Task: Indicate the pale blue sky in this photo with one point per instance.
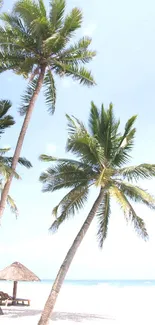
(124, 69)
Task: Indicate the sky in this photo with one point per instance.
(124, 70)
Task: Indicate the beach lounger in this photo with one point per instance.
(5, 299)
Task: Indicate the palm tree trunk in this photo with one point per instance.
(50, 303)
(21, 140)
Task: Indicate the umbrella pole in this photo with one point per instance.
(1, 311)
(14, 291)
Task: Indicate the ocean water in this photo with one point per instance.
(115, 283)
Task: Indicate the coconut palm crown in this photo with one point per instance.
(38, 46)
(6, 121)
(34, 42)
(103, 153)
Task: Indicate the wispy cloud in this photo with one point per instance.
(50, 148)
(90, 29)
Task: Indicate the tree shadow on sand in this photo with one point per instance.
(76, 317)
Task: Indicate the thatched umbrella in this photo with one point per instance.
(17, 272)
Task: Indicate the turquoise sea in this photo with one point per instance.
(116, 283)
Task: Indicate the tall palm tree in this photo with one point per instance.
(102, 153)
(38, 46)
(6, 121)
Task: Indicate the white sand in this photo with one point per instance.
(94, 305)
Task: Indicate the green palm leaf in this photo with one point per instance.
(129, 131)
(65, 176)
(50, 91)
(129, 212)
(77, 73)
(78, 53)
(57, 13)
(72, 22)
(27, 10)
(137, 194)
(94, 120)
(134, 173)
(103, 215)
(71, 162)
(26, 98)
(12, 205)
(69, 205)
(138, 222)
(10, 202)
(5, 120)
(42, 8)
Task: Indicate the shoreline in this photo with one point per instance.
(83, 305)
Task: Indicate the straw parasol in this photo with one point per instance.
(17, 272)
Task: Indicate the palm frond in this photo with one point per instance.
(73, 125)
(77, 58)
(122, 155)
(42, 8)
(10, 202)
(138, 223)
(104, 127)
(5, 168)
(24, 162)
(120, 199)
(78, 53)
(6, 65)
(47, 158)
(65, 176)
(40, 29)
(27, 10)
(3, 151)
(15, 35)
(129, 212)
(137, 194)
(128, 130)
(77, 73)
(135, 173)
(5, 105)
(86, 147)
(66, 161)
(94, 120)
(26, 98)
(77, 48)
(5, 120)
(72, 22)
(12, 205)
(103, 215)
(69, 205)
(57, 9)
(125, 143)
(50, 91)
(108, 130)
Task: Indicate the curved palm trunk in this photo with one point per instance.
(21, 140)
(50, 303)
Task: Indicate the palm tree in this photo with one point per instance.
(6, 121)
(102, 154)
(37, 46)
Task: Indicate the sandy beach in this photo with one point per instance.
(87, 305)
